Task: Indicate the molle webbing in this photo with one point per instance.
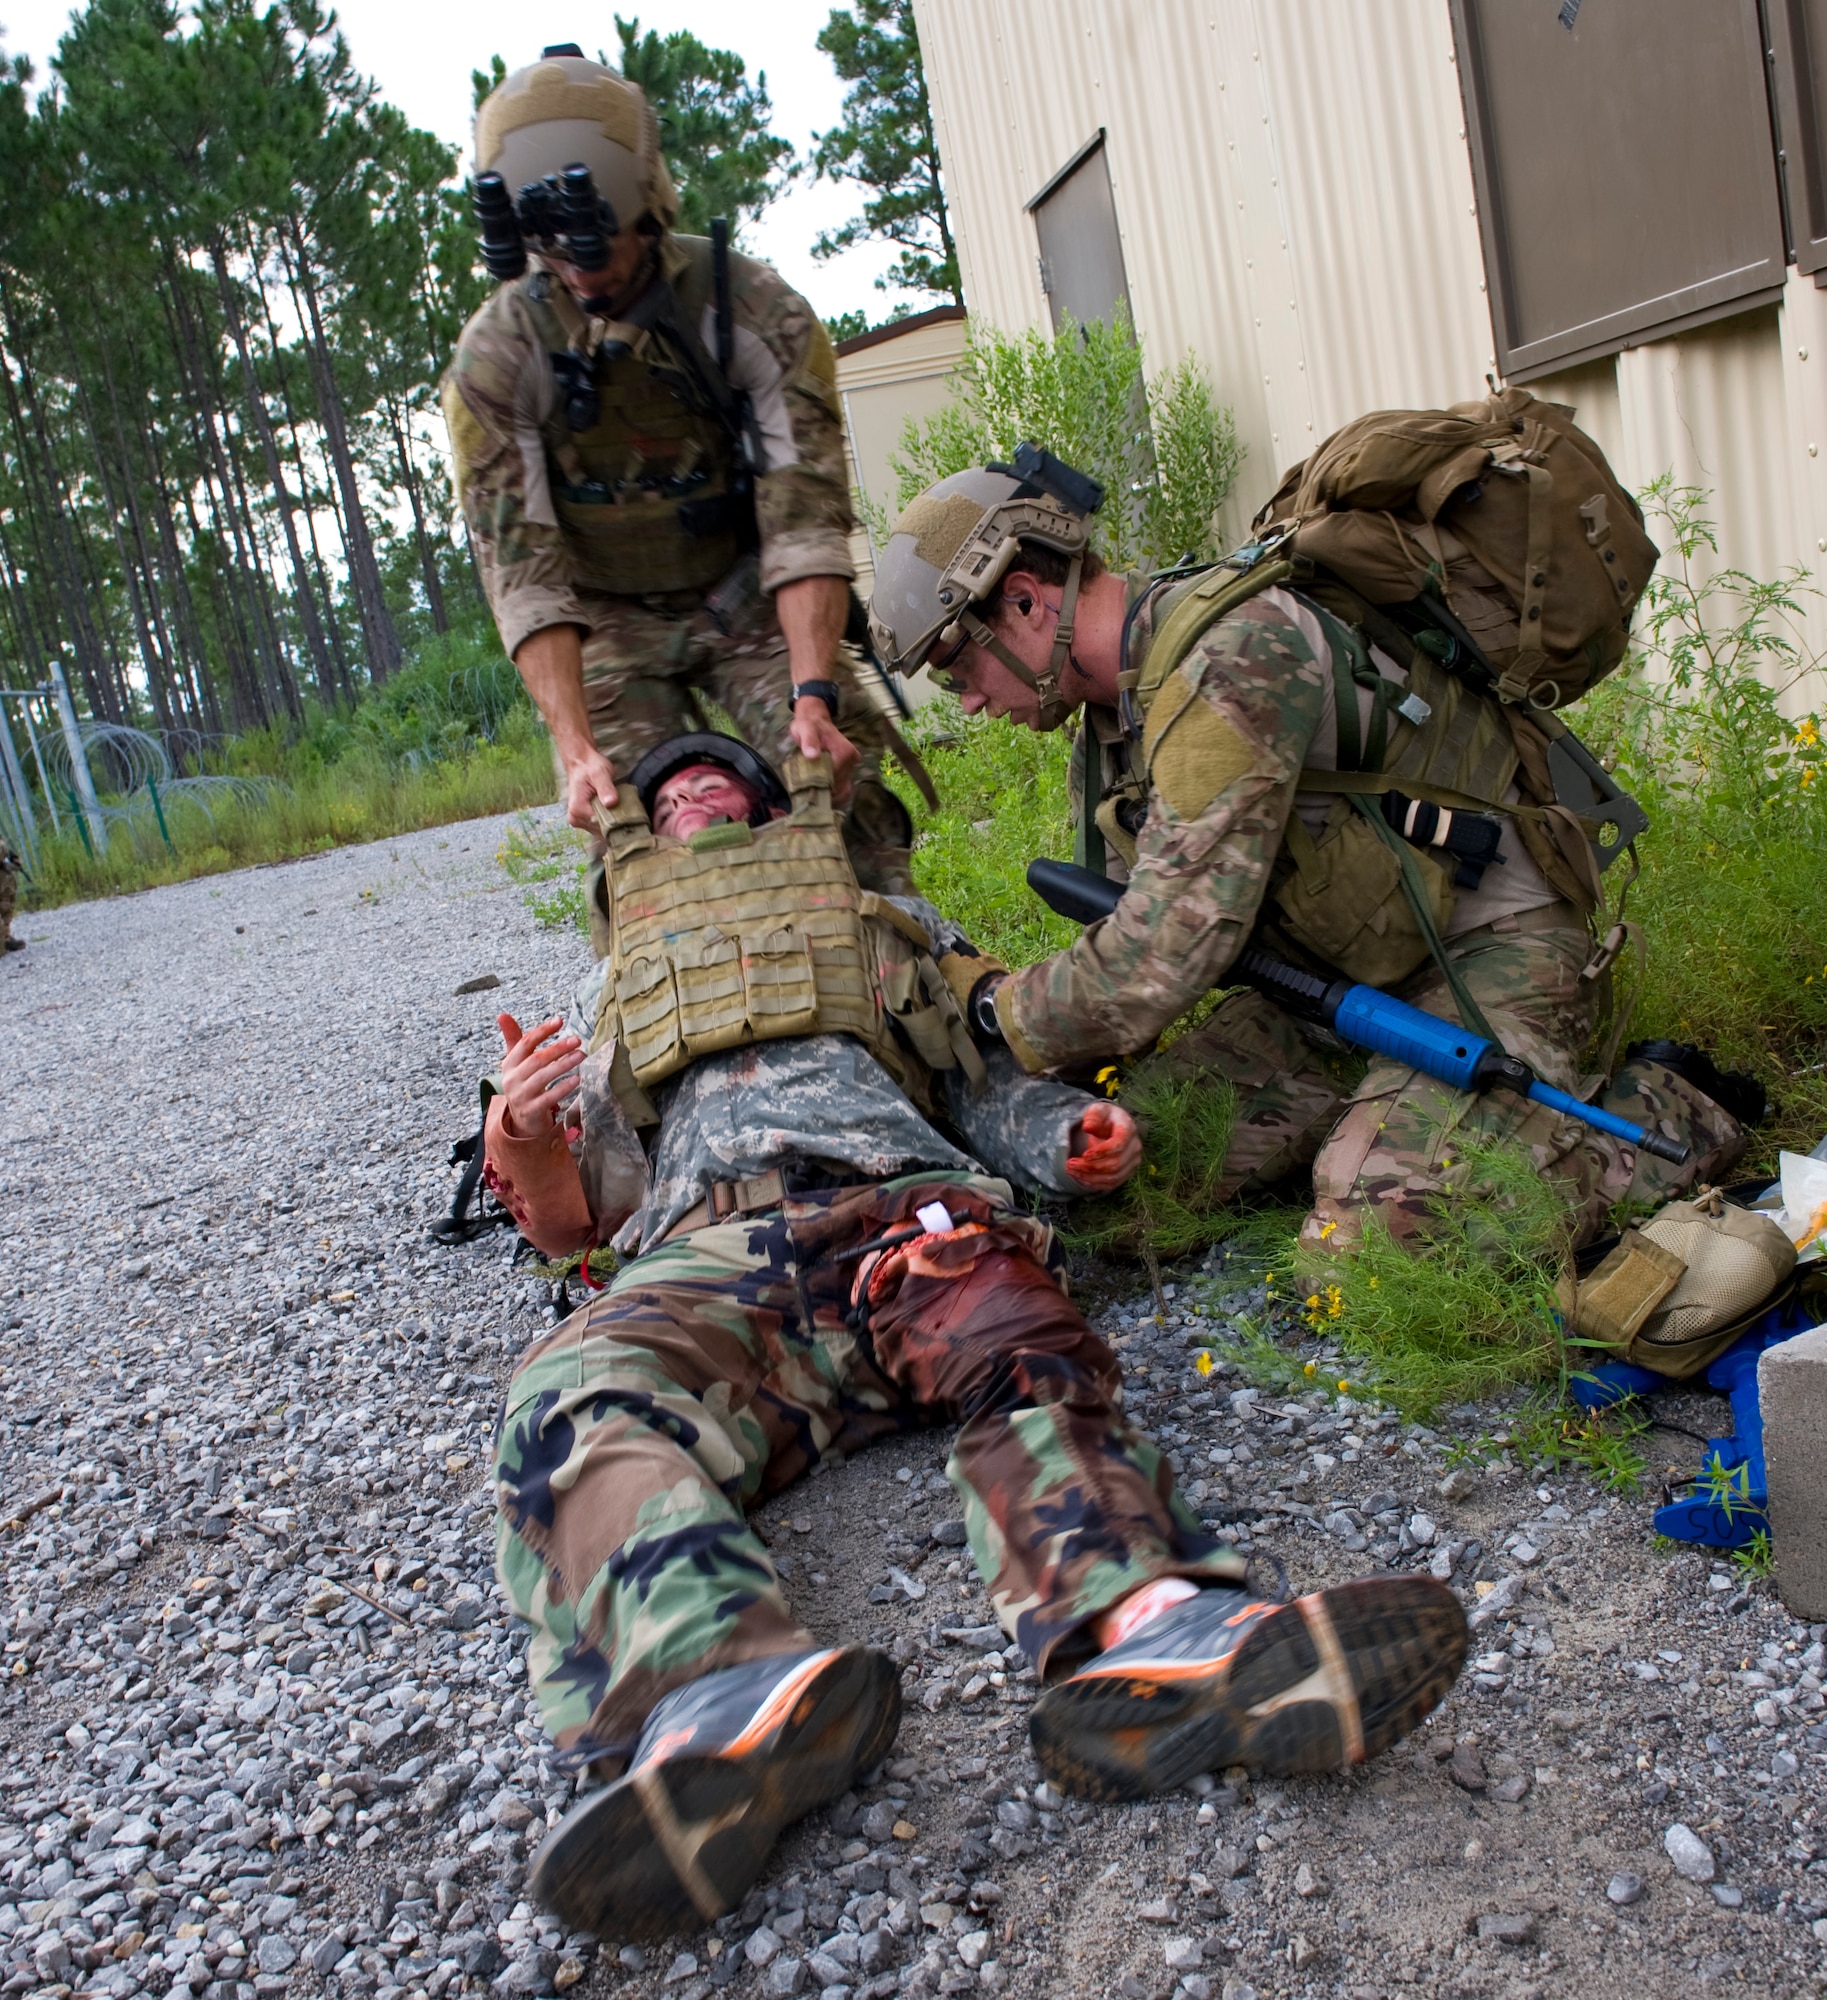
(646, 494)
(741, 935)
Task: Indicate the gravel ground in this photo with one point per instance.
(265, 1725)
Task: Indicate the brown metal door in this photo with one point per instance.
(1081, 252)
(1798, 54)
(1625, 169)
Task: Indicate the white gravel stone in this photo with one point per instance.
(1690, 1854)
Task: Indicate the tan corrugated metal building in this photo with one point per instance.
(1303, 194)
(886, 378)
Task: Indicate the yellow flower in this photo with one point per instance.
(1311, 1369)
(1374, 1283)
(1326, 1230)
(1313, 1301)
(1344, 1387)
(1806, 731)
(1204, 1362)
(1109, 1079)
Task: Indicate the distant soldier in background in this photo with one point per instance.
(649, 454)
(10, 870)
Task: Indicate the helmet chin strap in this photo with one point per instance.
(1054, 707)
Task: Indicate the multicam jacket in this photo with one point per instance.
(503, 404)
(1255, 703)
(813, 1103)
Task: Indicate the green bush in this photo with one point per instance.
(1733, 896)
(1167, 454)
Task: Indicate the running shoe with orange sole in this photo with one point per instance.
(1224, 1679)
(723, 1766)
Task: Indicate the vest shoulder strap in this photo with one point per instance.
(1194, 610)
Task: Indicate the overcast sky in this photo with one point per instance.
(422, 57)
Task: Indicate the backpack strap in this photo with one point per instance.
(1528, 670)
(1194, 612)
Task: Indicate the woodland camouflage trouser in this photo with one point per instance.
(719, 1368)
(1391, 1144)
(645, 656)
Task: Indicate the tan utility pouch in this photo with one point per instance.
(1678, 1290)
(1345, 903)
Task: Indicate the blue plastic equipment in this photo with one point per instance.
(1365, 1017)
(1728, 1499)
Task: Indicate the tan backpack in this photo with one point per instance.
(1503, 510)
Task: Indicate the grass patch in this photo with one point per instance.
(1003, 801)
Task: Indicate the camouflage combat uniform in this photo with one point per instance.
(9, 896)
(645, 655)
(726, 1361)
(1195, 893)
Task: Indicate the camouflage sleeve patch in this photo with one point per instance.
(1020, 1127)
(1247, 701)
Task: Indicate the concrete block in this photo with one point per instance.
(1792, 1396)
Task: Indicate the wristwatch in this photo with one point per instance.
(825, 691)
(982, 1009)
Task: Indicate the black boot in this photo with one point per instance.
(1733, 1090)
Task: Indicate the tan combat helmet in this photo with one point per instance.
(565, 110)
(950, 550)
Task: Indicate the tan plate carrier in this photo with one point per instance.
(747, 934)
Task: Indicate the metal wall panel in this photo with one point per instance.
(1294, 193)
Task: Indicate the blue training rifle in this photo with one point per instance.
(1364, 1017)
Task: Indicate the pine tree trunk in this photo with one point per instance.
(382, 640)
(302, 592)
(428, 568)
(343, 682)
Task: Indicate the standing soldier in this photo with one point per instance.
(649, 455)
(9, 894)
(1338, 742)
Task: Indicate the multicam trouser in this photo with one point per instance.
(723, 1365)
(1390, 1146)
(645, 656)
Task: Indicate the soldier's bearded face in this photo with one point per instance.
(697, 797)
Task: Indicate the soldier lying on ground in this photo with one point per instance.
(820, 1265)
(1253, 732)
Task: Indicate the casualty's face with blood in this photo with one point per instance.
(700, 796)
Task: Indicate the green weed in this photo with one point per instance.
(550, 863)
(1165, 451)
(1732, 899)
(1756, 1558)
(1553, 1434)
